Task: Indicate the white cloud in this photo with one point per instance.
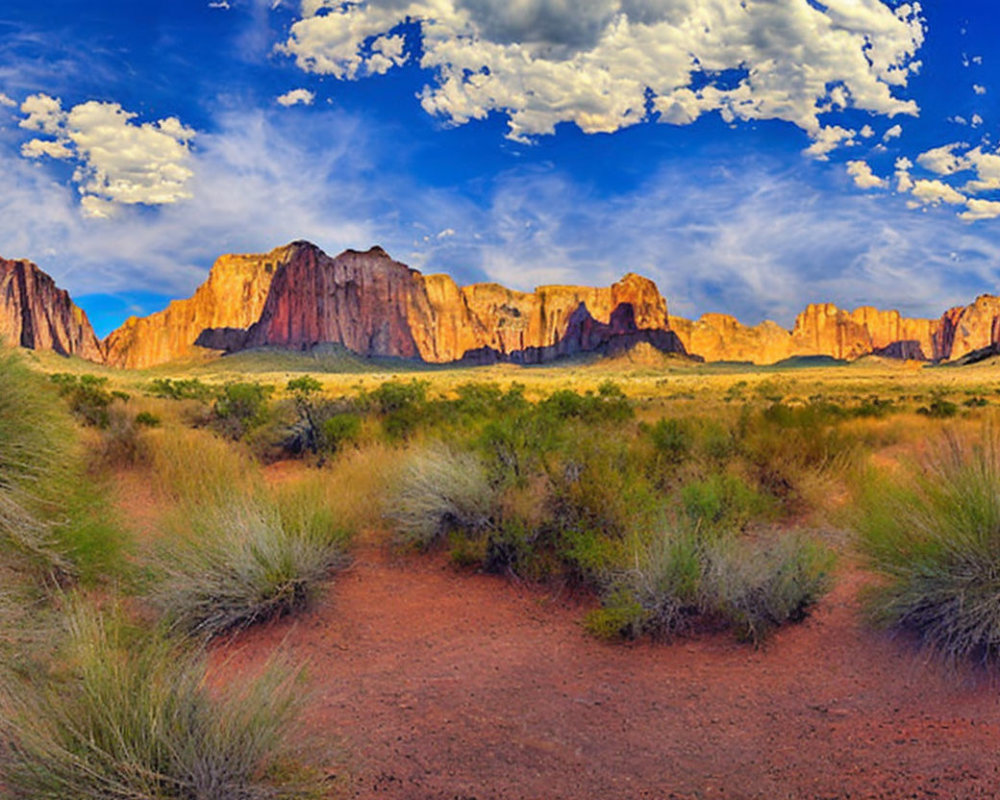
(828, 139)
(978, 89)
(596, 63)
(36, 148)
(6, 101)
(933, 192)
(296, 96)
(863, 176)
(892, 133)
(118, 161)
(904, 183)
(943, 160)
(976, 121)
(980, 209)
(867, 132)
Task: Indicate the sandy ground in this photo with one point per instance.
(455, 686)
(425, 682)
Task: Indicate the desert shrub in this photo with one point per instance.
(88, 397)
(147, 419)
(231, 564)
(672, 439)
(759, 586)
(513, 446)
(339, 430)
(680, 577)
(939, 408)
(181, 389)
(610, 404)
(723, 502)
(134, 719)
(934, 534)
(440, 489)
(121, 442)
(241, 407)
(658, 594)
(402, 406)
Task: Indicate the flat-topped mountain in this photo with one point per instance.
(35, 313)
(297, 296)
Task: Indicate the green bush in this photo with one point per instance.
(147, 419)
(672, 439)
(88, 397)
(441, 490)
(339, 430)
(133, 719)
(934, 535)
(231, 564)
(723, 502)
(182, 389)
(241, 407)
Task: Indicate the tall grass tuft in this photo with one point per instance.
(440, 490)
(934, 534)
(133, 720)
(229, 564)
(683, 577)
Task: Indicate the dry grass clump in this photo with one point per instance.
(229, 564)
(193, 465)
(440, 490)
(934, 534)
(132, 719)
(683, 577)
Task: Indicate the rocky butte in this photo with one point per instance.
(35, 313)
(297, 296)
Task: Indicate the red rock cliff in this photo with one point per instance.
(35, 313)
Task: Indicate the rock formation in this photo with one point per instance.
(35, 313)
(232, 297)
(821, 329)
(376, 306)
(297, 296)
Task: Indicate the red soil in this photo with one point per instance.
(445, 685)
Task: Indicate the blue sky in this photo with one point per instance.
(751, 157)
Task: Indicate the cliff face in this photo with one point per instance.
(821, 329)
(378, 307)
(35, 313)
(297, 296)
(232, 297)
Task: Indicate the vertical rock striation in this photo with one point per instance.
(35, 313)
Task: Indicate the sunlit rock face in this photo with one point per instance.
(35, 313)
(376, 306)
(966, 329)
(297, 296)
(821, 329)
(232, 297)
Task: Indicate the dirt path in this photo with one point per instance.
(450, 686)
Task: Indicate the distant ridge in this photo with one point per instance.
(298, 297)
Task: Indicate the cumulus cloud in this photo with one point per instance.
(7, 101)
(118, 161)
(943, 160)
(867, 132)
(978, 89)
(892, 133)
(295, 97)
(603, 64)
(977, 208)
(933, 192)
(828, 139)
(863, 176)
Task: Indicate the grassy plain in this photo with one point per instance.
(676, 499)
